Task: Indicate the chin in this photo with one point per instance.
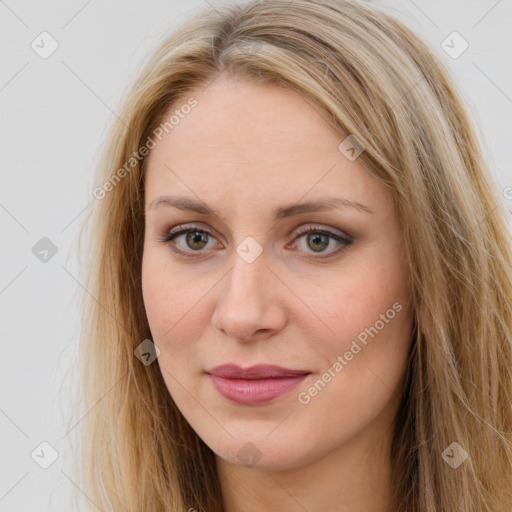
(260, 453)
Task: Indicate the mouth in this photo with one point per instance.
(254, 385)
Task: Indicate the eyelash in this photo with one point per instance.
(183, 229)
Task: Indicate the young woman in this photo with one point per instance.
(299, 291)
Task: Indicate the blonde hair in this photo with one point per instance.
(379, 82)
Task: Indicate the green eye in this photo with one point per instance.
(196, 240)
(318, 240)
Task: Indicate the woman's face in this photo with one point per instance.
(300, 266)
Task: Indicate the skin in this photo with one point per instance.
(244, 150)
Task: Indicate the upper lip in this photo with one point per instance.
(259, 371)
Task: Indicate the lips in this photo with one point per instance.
(254, 385)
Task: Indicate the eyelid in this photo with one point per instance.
(188, 227)
(298, 231)
(328, 230)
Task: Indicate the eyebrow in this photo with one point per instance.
(327, 203)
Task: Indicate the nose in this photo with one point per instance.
(248, 306)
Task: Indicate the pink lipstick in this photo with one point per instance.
(254, 385)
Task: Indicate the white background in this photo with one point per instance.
(54, 115)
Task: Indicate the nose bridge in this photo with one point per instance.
(245, 304)
(247, 280)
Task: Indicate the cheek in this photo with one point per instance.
(362, 366)
(343, 305)
(366, 320)
(173, 304)
(174, 309)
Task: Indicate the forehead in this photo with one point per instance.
(244, 137)
(240, 119)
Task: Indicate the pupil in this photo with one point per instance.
(321, 239)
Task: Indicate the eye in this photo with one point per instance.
(319, 239)
(193, 240)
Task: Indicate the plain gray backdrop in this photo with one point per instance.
(55, 109)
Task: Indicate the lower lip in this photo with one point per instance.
(257, 391)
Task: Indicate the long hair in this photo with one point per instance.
(379, 82)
